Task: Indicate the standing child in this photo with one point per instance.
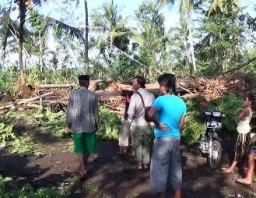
(243, 129)
(125, 133)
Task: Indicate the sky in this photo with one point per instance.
(126, 8)
(73, 14)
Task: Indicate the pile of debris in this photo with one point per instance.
(217, 87)
(55, 96)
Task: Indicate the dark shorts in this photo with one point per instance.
(241, 148)
(85, 143)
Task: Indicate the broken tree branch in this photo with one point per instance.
(34, 98)
(238, 67)
(55, 86)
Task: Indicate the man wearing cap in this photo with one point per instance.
(82, 119)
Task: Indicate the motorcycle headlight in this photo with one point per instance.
(216, 114)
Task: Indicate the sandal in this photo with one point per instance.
(241, 181)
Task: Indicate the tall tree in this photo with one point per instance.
(221, 35)
(221, 6)
(43, 24)
(24, 6)
(112, 34)
(186, 11)
(150, 36)
(22, 15)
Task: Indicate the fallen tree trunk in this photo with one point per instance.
(34, 98)
(55, 86)
(7, 106)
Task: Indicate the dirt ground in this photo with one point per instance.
(113, 177)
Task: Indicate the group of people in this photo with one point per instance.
(167, 115)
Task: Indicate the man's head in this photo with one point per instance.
(84, 80)
(167, 83)
(138, 82)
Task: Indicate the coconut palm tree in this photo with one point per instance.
(111, 30)
(219, 6)
(42, 24)
(150, 37)
(39, 22)
(186, 11)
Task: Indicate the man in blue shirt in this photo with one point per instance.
(168, 112)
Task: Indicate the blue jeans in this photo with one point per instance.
(166, 165)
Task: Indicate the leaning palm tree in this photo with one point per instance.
(42, 24)
(25, 7)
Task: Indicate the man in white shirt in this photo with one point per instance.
(140, 129)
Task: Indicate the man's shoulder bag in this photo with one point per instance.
(147, 118)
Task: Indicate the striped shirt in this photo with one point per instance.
(82, 111)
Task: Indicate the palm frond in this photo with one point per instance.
(72, 31)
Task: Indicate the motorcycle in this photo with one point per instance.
(210, 144)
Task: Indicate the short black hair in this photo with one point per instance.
(169, 82)
(84, 77)
(84, 80)
(141, 80)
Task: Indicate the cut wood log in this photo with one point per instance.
(22, 101)
(55, 86)
(7, 106)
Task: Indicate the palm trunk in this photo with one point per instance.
(22, 14)
(191, 46)
(41, 48)
(86, 43)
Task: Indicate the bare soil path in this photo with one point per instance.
(112, 177)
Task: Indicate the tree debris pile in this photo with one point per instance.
(56, 96)
(217, 87)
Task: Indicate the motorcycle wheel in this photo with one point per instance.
(214, 158)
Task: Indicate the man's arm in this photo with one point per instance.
(115, 86)
(68, 115)
(182, 123)
(96, 113)
(131, 109)
(243, 114)
(152, 115)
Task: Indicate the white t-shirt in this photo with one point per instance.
(243, 126)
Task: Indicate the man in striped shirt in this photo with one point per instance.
(83, 120)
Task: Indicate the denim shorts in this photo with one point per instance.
(166, 168)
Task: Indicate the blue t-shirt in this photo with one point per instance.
(170, 110)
